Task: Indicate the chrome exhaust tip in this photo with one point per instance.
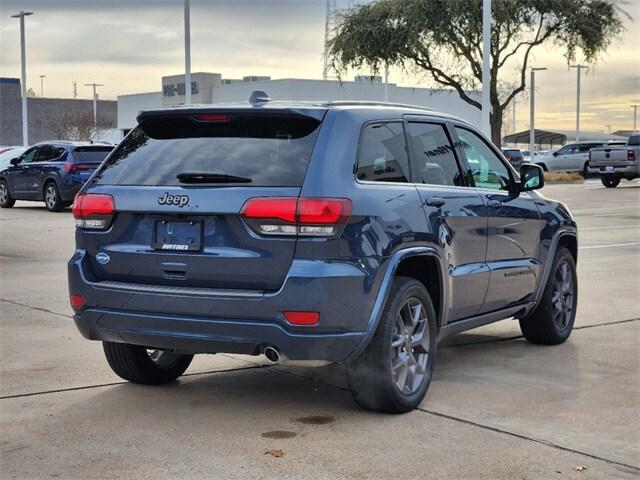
(272, 354)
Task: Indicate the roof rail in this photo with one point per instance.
(365, 103)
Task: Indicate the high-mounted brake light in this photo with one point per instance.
(212, 117)
(93, 210)
(297, 216)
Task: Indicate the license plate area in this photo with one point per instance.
(185, 236)
(609, 169)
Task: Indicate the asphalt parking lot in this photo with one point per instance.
(498, 407)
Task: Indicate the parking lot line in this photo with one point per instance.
(610, 245)
(617, 227)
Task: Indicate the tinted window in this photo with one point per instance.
(634, 140)
(91, 154)
(48, 153)
(487, 169)
(588, 146)
(268, 149)
(29, 156)
(383, 154)
(435, 161)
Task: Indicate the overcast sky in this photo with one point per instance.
(129, 45)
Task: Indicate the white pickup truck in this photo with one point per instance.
(615, 163)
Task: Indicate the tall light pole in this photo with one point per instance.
(609, 127)
(578, 68)
(532, 118)
(486, 67)
(635, 111)
(23, 77)
(187, 53)
(95, 99)
(386, 82)
(42, 77)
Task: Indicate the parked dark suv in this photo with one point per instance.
(336, 232)
(52, 172)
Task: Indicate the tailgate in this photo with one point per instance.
(179, 182)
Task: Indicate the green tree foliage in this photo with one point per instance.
(443, 39)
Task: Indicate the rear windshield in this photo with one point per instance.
(252, 150)
(91, 154)
(634, 140)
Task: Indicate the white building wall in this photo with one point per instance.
(130, 105)
(446, 101)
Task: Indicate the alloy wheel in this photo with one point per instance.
(51, 196)
(410, 346)
(562, 299)
(4, 193)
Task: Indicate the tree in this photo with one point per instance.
(78, 125)
(443, 39)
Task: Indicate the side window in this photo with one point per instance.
(487, 169)
(29, 156)
(382, 156)
(59, 154)
(435, 162)
(45, 154)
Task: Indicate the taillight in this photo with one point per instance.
(319, 217)
(78, 167)
(631, 155)
(93, 210)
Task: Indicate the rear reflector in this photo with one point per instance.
(77, 301)
(296, 216)
(302, 318)
(93, 211)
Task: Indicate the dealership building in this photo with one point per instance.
(41, 113)
(212, 88)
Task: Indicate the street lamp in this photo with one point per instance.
(486, 67)
(95, 99)
(187, 54)
(42, 77)
(578, 69)
(635, 111)
(23, 78)
(532, 129)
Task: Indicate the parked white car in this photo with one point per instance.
(573, 157)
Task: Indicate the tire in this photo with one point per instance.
(610, 181)
(552, 321)
(585, 171)
(52, 199)
(5, 197)
(139, 365)
(374, 383)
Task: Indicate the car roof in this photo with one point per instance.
(312, 109)
(69, 143)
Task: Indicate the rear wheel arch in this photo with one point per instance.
(426, 269)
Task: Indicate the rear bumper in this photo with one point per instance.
(623, 170)
(212, 321)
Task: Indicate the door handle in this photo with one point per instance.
(435, 202)
(494, 203)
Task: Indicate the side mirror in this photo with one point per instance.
(14, 161)
(555, 154)
(531, 177)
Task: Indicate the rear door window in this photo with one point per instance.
(254, 149)
(435, 161)
(382, 155)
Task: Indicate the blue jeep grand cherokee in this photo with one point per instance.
(336, 232)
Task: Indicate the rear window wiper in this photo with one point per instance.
(210, 177)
